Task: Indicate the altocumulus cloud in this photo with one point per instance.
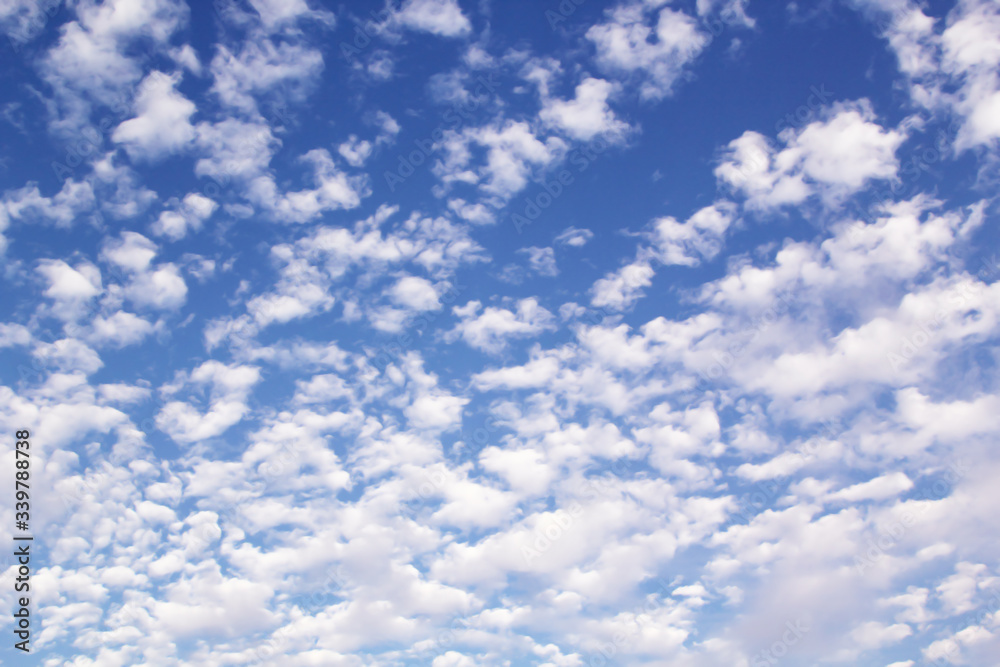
(452, 333)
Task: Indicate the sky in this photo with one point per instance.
(477, 332)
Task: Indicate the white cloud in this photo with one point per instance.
(260, 67)
(415, 293)
(787, 432)
(541, 260)
(71, 288)
(621, 289)
(355, 151)
(513, 150)
(132, 252)
(234, 149)
(953, 69)
(62, 209)
(147, 285)
(184, 216)
(587, 115)
(91, 61)
(229, 385)
(334, 190)
(162, 124)
(22, 20)
(627, 44)
(163, 288)
(490, 329)
(14, 334)
(701, 237)
(833, 157)
(120, 329)
(574, 237)
(275, 14)
(438, 17)
(69, 355)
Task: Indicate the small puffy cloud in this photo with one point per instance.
(163, 288)
(148, 285)
(184, 216)
(69, 355)
(67, 283)
(14, 334)
(879, 488)
(70, 288)
(277, 14)
(435, 410)
(832, 157)
(334, 190)
(234, 149)
(120, 329)
(132, 252)
(477, 214)
(415, 293)
(22, 20)
(388, 127)
(588, 114)
(626, 43)
(622, 288)
(490, 329)
(229, 387)
(262, 66)
(355, 151)
(574, 237)
(162, 124)
(701, 237)
(513, 151)
(541, 260)
(438, 17)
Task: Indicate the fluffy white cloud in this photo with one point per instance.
(490, 329)
(790, 436)
(626, 43)
(622, 288)
(439, 17)
(415, 293)
(334, 190)
(832, 157)
(93, 62)
(162, 124)
(587, 115)
(260, 67)
(229, 385)
(70, 288)
(541, 261)
(512, 151)
(184, 216)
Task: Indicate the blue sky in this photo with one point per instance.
(456, 333)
